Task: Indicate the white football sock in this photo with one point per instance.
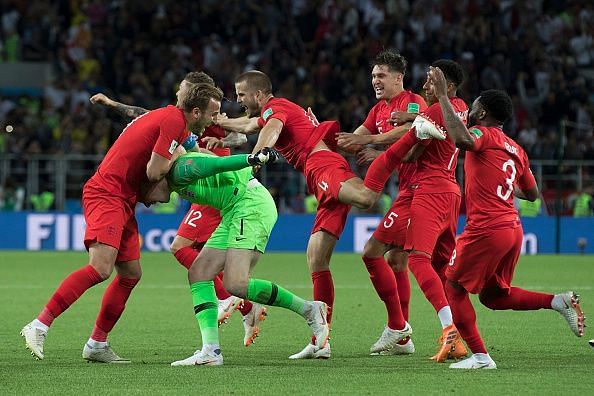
(445, 316)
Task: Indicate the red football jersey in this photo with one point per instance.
(124, 167)
(492, 170)
(218, 132)
(300, 133)
(377, 122)
(436, 167)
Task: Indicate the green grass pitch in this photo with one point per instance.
(535, 351)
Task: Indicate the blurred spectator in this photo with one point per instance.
(316, 52)
(12, 196)
(584, 203)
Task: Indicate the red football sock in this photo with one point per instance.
(429, 282)
(518, 300)
(71, 288)
(403, 286)
(112, 306)
(222, 293)
(323, 289)
(380, 170)
(186, 256)
(465, 318)
(384, 282)
(246, 307)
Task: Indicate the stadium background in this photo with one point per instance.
(55, 55)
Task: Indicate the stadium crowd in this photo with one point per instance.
(317, 53)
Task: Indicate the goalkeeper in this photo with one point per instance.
(248, 215)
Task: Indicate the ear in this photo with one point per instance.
(196, 113)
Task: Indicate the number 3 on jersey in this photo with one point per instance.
(509, 182)
(192, 216)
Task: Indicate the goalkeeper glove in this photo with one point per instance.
(263, 157)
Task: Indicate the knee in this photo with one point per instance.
(177, 244)
(368, 199)
(488, 298)
(235, 286)
(398, 261)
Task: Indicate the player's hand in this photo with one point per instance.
(100, 99)
(438, 80)
(351, 142)
(219, 117)
(401, 117)
(212, 142)
(367, 155)
(265, 156)
(312, 116)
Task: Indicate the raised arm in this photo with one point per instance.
(269, 134)
(123, 109)
(457, 131)
(245, 125)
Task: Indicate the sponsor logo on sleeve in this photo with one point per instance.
(173, 146)
(267, 114)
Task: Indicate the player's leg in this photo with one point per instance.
(194, 230)
(354, 192)
(384, 282)
(398, 261)
(115, 297)
(498, 293)
(465, 320)
(105, 217)
(209, 263)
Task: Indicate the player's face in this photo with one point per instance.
(247, 99)
(477, 113)
(206, 117)
(386, 83)
(152, 193)
(429, 91)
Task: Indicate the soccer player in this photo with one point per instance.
(387, 78)
(201, 220)
(308, 146)
(496, 169)
(431, 233)
(248, 216)
(144, 152)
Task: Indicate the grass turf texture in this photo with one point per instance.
(535, 351)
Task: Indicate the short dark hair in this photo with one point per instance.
(199, 77)
(394, 61)
(452, 71)
(497, 104)
(199, 95)
(256, 80)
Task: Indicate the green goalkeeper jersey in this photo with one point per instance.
(218, 182)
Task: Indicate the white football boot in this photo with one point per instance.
(34, 340)
(199, 358)
(427, 129)
(310, 352)
(476, 361)
(389, 339)
(226, 308)
(102, 355)
(568, 305)
(407, 348)
(251, 323)
(316, 317)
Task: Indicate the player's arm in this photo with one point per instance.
(192, 168)
(528, 195)
(526, 187)
(121, 108)
(158, 166)
(392, 135)
(354, 142)
(245, 125)
(269, 134)
(457, 131)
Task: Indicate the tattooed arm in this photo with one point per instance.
(123, 109)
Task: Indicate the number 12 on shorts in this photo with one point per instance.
(192, 216)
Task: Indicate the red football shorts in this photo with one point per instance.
(392, 229)
(432, 227)
(110, 221)
(324, 172)
(199, 223)
(486, 258)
